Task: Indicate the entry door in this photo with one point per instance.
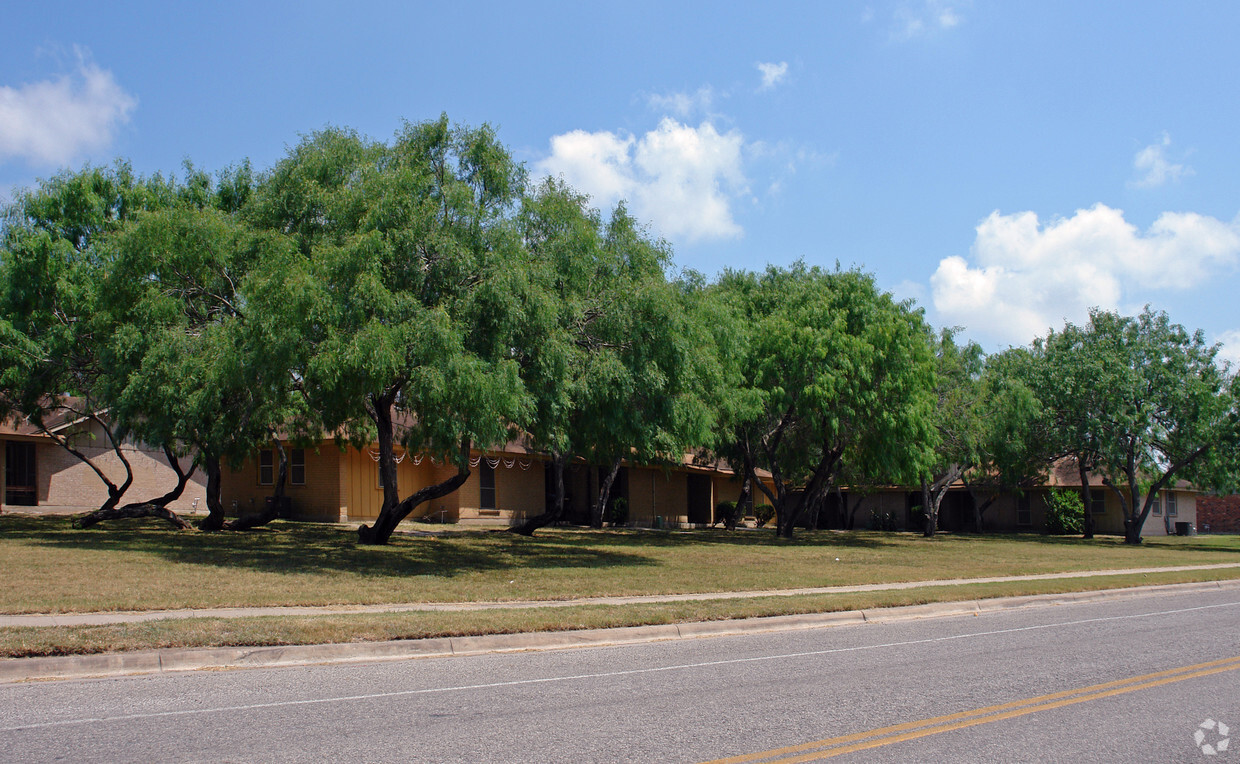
(20, 484)
(699, 499)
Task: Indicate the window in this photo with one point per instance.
(266, 467)
(1097, 503)
(1172, 509)
(297, 466)
(486, 485)
(1156, 505)
(1024, 513)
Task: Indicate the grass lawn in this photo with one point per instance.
(50, 567)
(307, 630)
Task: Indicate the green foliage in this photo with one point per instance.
(1065, 514)
(763, 513)
(728, 513)
(1141, 400)
(618, 511)
(882, 520)
(827, 370)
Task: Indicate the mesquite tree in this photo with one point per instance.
(832, 370)
(54, 332)
(409, 283)
(1149, 402)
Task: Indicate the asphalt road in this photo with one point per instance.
(1128, 680)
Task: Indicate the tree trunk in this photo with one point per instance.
(604, 493)
(850, 521)
(129, 512)
(1088, 521)
(531, 524)
(786, 516)
(154, 508)
(115, 492)
(271, 509)
(932, 497)
(980, 507)
(214, 520)
(389, 518)
(929, 520)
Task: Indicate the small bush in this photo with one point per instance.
(882, 520)
(1065, 515)
(728, 513)
(763, 513)
(618, 512)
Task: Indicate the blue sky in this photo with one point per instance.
(1006, 164)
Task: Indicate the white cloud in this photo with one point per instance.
(917, 19)
(1230, 352)
(772, 74)
(684, 105)
(53, 121)
(1026, 277)
(682, 179)
(1154, 166)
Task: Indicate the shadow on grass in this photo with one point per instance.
(307, 547)
(1176, 543)
(288, 547)
(750, 537)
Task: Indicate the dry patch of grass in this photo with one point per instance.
(50, 567)
(267, 631)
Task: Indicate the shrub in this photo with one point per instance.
(882, 520)
(618, 512)
(1065, 515)
(728, 513)
(763, 513)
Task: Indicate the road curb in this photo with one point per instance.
(194, 659)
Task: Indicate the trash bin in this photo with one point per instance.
(1185, 529)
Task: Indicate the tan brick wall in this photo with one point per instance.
(519, 492)
(66, 484)
(318, 499)
(656, 493)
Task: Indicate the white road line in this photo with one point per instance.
(599, 675)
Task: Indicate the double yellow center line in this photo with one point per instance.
(860, 741)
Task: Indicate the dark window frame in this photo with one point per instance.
(488, 497)
(266, 466)
(296, 463)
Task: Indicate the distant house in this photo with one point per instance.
(899, 507)
(42, 476)
(337, 483)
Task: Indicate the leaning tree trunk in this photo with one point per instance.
(850, 520)
(787, 516)
(214, 520)
(531, 524)
(604, 493)
(131, 512)
(271, 509)
(930, 519)
(389, 517)
(157, 508)
(1088, 519)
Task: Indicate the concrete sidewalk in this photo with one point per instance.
(193, 659)
(105, 618)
